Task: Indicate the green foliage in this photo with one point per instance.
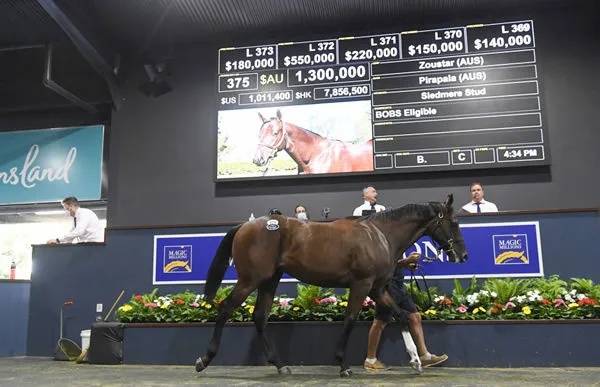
(459, 293)
(222, 293)
(582, 285)
(507, 299)
(552, 287)
(506, 288)
(420, 297)
(309, 294)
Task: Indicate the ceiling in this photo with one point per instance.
(136, 24)
(116, 28)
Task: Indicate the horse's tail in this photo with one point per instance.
(219, 264)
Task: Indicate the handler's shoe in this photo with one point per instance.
(376, 366)
(433, 360)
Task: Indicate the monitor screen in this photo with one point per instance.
(453, 98)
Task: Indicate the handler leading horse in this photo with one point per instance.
(359, 254)
(312, 152)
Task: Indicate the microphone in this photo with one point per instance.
(325, 212)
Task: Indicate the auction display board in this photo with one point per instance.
(461, 97)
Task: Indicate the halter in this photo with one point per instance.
(449, 245)
(278, 145)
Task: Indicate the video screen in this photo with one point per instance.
(295, 140)
(451, 98)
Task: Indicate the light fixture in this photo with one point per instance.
(156, 84)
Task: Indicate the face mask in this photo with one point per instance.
(302, 216)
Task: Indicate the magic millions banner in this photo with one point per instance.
(47, 165)
(508, 249)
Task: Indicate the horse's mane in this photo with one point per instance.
(304, 129)
(419, 211)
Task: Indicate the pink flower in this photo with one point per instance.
(194, 305)
(368, 302)
(559, 302)
(509, 305)
(150, 305)
(285, 302)
(462, 309)
(327, 300)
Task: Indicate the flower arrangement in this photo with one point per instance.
(495, 299)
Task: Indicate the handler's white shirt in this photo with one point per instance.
(367, 206)
(88, 228)
(484, 205)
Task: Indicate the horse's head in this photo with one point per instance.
(445, 231)
(271, 139)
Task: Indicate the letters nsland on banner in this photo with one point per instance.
(508, 249)
(47, 165)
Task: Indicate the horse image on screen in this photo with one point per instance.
(294, 140)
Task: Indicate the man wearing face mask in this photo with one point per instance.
(86, 226)
(300, 213)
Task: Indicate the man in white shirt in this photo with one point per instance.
(86, 226)
(478, 205)
(369, 195)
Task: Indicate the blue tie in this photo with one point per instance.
(478, 207)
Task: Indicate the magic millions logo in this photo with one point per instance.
(511, 249)
(177, 259)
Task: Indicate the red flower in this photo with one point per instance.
(545, 302)
(179, 301)
(587, 301)
(138, 297)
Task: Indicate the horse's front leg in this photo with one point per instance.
(358, 293)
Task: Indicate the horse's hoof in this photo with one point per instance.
(285, 370)
(346, 373)
(415, 365)
(200, 365)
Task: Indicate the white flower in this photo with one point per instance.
(568, 298)
(472, 299)
(494, 294)
(580, 296)
(484, 292)
(573, 292)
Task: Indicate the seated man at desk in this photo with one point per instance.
(478, 204)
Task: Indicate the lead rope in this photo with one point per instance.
(413, 279)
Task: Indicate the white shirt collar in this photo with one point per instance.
(481, 202)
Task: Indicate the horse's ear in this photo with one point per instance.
(449, 201)
(278, 114)
(262, 118)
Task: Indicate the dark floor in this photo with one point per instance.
(44, 372)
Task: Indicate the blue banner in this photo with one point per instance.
(47, 165)
(510, 249)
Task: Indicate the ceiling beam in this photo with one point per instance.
(83, 42)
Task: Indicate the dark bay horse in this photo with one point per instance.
(312, 152)
(359, 254)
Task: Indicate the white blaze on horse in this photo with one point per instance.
(312, 152)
